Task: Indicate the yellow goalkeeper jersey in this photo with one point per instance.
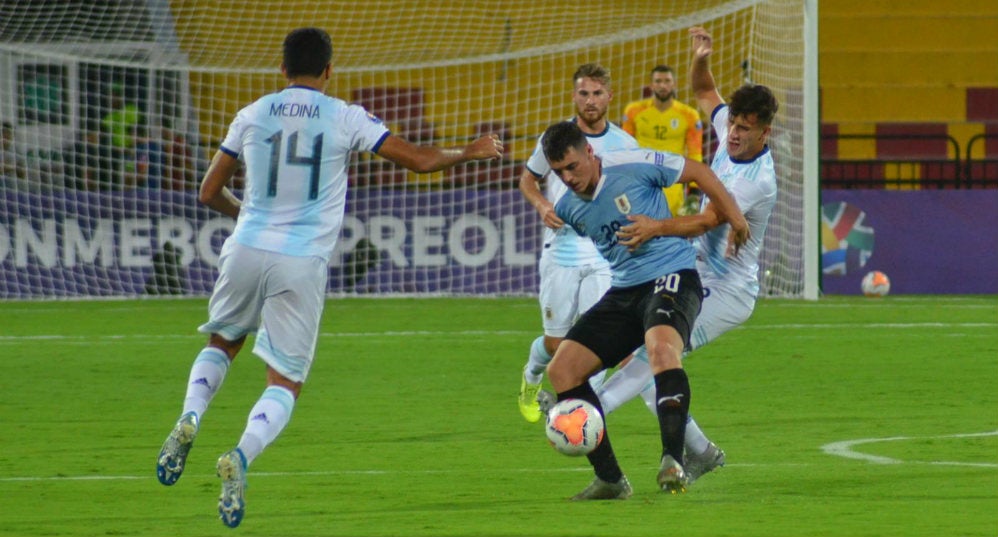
(676, 130)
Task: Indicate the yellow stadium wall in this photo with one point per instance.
(907, 62)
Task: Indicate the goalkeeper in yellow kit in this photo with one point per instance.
(662, 123)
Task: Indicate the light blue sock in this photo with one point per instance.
(537, 363)
(207, 374)
(267, 419)
(696, 442)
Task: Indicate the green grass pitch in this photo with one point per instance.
(841, 417)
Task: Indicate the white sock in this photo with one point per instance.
(696, 442)
(206, 378)
(596, 381)
(538, 361)
(626, 383)
(648, 394)
(266, 421)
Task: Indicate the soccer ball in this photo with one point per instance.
(876, 283)
(574, 427)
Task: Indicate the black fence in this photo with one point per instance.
(912, 161)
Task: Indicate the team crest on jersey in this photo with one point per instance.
(373, 118)
(674, 123)
(548, 314)
(623, 204)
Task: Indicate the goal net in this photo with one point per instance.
(112, 111)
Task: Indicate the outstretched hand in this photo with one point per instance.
(488, 147)
(702, 42)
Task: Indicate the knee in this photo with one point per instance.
(663, 355)
(274, 378)
(230, 348)
(551, 344)
(559, 375)
(568, 370)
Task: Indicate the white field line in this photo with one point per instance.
(845, 449)
(31, 479)
(891, 302)
(852, 326)
(480, 333)
(321, 473)
(937, 302)
(842, 449)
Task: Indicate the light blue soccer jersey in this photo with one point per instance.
(631, 183)
(296, 144)
(566, 247)
(752, 183)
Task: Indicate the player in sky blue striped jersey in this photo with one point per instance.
(273, 269)
(573, 275)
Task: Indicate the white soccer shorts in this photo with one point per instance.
(567, 292)
(721, 311)
(280, 297)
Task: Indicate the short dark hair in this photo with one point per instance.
(561, 136)
(754, 99)
(662, 69)
(307, 51)
(8, 126)
(594, 71)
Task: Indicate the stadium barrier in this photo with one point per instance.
(905, 162)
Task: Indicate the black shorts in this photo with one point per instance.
(615, 326)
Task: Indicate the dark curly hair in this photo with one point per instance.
(754, 99)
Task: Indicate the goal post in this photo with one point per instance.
(115, 112)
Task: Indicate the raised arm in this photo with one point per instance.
(701, 79)
(430, 158)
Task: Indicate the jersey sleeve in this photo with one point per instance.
(364, 130)
(719, 120)
(628, 125)
(694, 136)
(563, 208)
(537, 164)
(232, 144)
(668, 167)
